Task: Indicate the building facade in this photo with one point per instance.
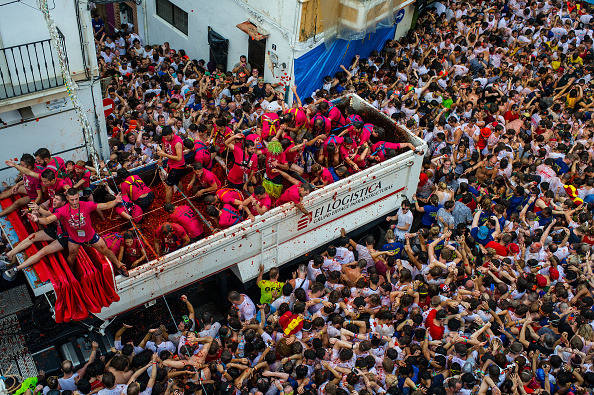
(36, 109)
(271, 33)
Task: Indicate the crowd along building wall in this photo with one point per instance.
(35, 107)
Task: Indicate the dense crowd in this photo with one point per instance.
(482, 283)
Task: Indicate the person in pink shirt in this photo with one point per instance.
(128, 210)
(295, 193)
(225, 196)
(329, 155)
(319, 123)
(203, 181)
(131, 252)
(259, 202)
(187, 218)
(170, 237)
(135, 188)
(245, 161)
(380, 150)
(53, 185)
(76, 219)
(228, 215)
(322, 176)
(270, 124)
(173, 150)
(331, 112)
(29, 186)
(292, 153)
(295, 121)
(46, 161)
(360, 132)
(202, 155)
(113, 240)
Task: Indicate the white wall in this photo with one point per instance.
(56, 128)
(205, 13)
(404, 25)
(22, 23)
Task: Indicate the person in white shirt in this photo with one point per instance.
(247, 308)
(403, 219)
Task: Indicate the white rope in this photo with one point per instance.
(69, 82)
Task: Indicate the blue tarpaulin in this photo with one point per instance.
(311, 68)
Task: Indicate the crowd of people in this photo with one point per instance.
(481, 284)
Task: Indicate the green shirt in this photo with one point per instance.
(266, 288)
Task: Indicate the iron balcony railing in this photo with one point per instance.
(29, 68)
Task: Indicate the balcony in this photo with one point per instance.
(30, 68)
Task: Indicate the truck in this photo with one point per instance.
(280, 235)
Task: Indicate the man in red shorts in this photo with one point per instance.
(76, 219)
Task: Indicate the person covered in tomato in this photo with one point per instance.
(245, 161)
(172, 150)
(329, 155)
(322, 176)
(331, 112)
(225, 196)
(295, 193)
(135, 188)
(131, 251)
(319, 124)
(203, 181)
(295, 119)
(170, 237)
(128, 210)
(220, 133)
(275, 160)
(228, 215)
(360, 132)
(258, 202)
(293, 151)
(187, 218)
(76, 219)
(384, 150)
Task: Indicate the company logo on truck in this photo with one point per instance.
(344, 203)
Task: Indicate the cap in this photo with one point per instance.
(513, 248)
(151, 69)
(444, 288)
(485, 132)
(541, 281)
(483, 232)
(554, 274)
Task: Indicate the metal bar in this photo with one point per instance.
(54, 65)
(31, 67)
(24, 70)
(34, 42)
(49, 81)
(16, 72)
(38, 66)
(4, 82)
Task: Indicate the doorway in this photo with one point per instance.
(257, 54)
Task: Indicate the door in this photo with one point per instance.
(219, 48)
(257, 54)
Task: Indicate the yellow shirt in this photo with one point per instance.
(266, 288)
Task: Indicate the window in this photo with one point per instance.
(173, 15)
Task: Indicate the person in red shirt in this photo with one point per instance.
(294, 193)
(187, 218)
(245, 161)
(380, 150)
(332, 112)
(225, 196)
(228, 215)
(318, 123)
(322, 176)
(46, 161)
(270, 124)
(131, 252)
(203, 181)
(29, 186)
(292, 153)
(135, 188)
(76, 219)
(173, 150)
(259, 202)
(329, 155)
(359, 132)
(275, 160)
(436, 324)
(170, 237)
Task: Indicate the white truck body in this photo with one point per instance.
(280, 235)
(275, 238)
